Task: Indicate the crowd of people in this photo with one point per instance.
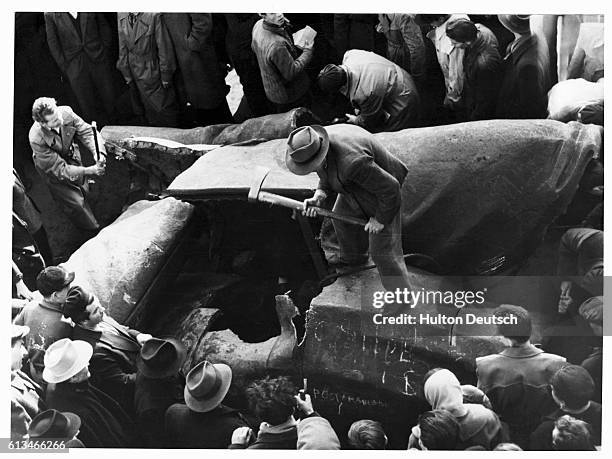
(79, 375)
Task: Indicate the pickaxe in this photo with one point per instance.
(256, 194)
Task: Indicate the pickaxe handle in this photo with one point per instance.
(283, 201)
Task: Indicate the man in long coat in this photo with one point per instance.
(147, 63)
(200, 79)
(56, 138)
(383, 94)
(80, 44)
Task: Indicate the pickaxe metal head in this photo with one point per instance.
(259, 176)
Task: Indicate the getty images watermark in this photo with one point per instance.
(454, 299)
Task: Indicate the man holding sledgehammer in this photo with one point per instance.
(368, 178)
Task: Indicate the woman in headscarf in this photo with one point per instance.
(477, 425)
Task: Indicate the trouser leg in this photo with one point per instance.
(352, 239)
(71, 199)
(386, 251)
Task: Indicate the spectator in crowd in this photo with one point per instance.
(477, 425)
(281, 63)
(526, 80)
(481, 66)
(116, 347)
(383, 94)
(27, 397)
(104, 422)
(588, 57)
(353, 163)
(435, 430)
(159, 384)
(405, 46)
(44, 318)
(27, 211)
(242, 57)
(56, 426)
(571, 434)
(55, 139)
(572, 389)
(201, 84)
(272, 401)
(516, 379)
(367, 434)
(80, 44)
(358, 31)
(581, 267)
(147, 63)
(450, 58)
(313, 431)
(507, 447)
(203, 421)
(592, 312)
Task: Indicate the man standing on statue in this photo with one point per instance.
(55, 138)
(367, 177)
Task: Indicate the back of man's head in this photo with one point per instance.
(570, 434)
(331, 78)
(367, 434)
(518, 326)
(573, 386)
(461, 30)
(53, 279)
(271, 399)
(439, 430)
(76, 303)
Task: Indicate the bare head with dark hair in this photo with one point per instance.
(572, 387)
(571, 434)
(367, 434)
(518, 332)
(42, 107)
(462, 32)
(271, 399)
(439, 430)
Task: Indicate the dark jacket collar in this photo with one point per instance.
(522, 45)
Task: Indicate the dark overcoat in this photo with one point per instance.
(191, 35)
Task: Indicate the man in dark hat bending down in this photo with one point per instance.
(368, 179)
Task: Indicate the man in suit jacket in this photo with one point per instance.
(116, 347)
(56, 138)
(80, 44)
(517, 379)
(368, 179)
(44, 318)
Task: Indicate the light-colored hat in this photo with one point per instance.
(306, 149)
(19, 331)
(206, 386)
(65, 358)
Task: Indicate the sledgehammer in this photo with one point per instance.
(256, 194)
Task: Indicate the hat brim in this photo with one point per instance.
(210, 403)
(74, 424)
(22, 331)
(315, 162)
(84, 350)
(171, 370)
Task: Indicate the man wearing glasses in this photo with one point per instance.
(55, 138)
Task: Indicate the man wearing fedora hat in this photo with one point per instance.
(203, 422)
(26, 396)
(116, 347)
(105, 423)
(368, 178)
(52, 424)
(159, 384)
(44, 318)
